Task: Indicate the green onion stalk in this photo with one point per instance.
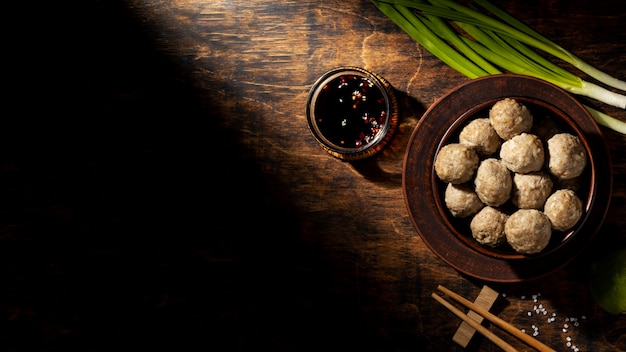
(476, 44)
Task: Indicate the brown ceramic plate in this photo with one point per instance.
(449, 237)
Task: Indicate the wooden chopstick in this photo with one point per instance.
(492, 318)
(474, 324)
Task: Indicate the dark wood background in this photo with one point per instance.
(160, 189)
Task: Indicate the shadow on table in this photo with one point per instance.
(134, 216)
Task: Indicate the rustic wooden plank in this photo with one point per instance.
(173, 195)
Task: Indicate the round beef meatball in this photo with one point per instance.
(480, 135)
(461, 200)
(564, 209)
(523, 153)
(510, 118)
(531, 190)
(566, 156)
(528, 231)
(456, 163)
(493, 182)
(488, 227)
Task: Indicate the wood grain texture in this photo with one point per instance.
(161, 189)
(486, 298)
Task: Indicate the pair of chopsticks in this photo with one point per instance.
(492, 318)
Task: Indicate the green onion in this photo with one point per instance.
(606, 120)
(476, 45)
(569, 57)
(413, 25)
(526, 35)
(504, 55)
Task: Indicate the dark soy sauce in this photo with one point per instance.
(351, 111)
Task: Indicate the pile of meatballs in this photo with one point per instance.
(516, 180)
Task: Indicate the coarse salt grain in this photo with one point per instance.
(567, 325)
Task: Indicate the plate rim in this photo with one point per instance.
(424, 142)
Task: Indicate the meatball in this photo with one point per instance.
(530, 191)
(480, 135)
(488, 227)
(523, 153)
(566, 156)
(461, 200)
(510, 118)
(456, 163)
(493, 182)
(528, 231)
(564, 209)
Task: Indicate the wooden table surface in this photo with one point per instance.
(161, 189)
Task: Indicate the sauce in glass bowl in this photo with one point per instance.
(352, 112)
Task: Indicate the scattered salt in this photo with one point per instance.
(539, 309)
